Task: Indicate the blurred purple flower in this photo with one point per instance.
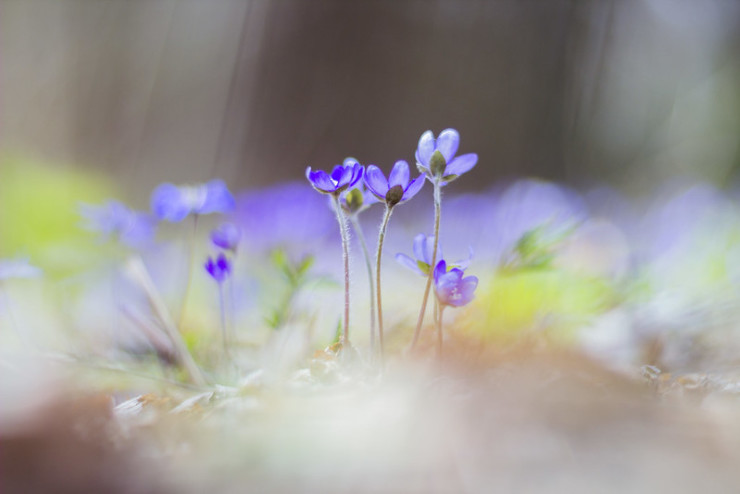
(450, 286)
(17, 269)
(397, 188)
(342, 177)
(220, 269)
(173, 203)
(226, 236)
(132, 228)
(285, 215)
(423, 247)
(437, 156)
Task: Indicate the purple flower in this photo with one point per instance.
(173, 203)
(423, 250)
(450, 286)
(220, 269)
(397, 188)
(114, 218)
(342, 177)
(436, 157)
(226, 236)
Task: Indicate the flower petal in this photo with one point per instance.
(375, 182)
(425, 148)
(337, 173)
(218, 198)
(461, 164)
(447, 143)
(399, 174)
(168, 203)
(429, 250)
(439, 271)
(320, 180)
(411, 264)
(419, 247)
(357, 172)
(413, 188)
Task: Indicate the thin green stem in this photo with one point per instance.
(430, 276)
(222, 309)
(189, 280)
(438, 311)
(379, 253)
(345, 257)
(370, 278)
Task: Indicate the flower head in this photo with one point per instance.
(342, 177)
(397, 188)
(226, 236)
(114, 218)
(450, 286)
(175, 203)
(220, 269)
(357, 199)
(436, 157)
(423, 250)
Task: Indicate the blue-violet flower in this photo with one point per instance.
(226, 236)
(450, 286)
(436, 157)
(342, 177)
(397, 188)
(173, 203)
(220, 269)
(423, 247)
(132, 228)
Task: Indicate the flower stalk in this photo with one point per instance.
(345, 258)
(370, 278)
(430, 275)
(379, 254)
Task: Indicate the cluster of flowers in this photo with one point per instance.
(437, 162)
(352, 189)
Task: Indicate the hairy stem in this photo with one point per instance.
(378, 255)
(345, 256)
(189, 279)
(371, 280)
(430, 276)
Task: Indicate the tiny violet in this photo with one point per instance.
(397, 188)
(18, 269)
(450, 286)
(226, 236)
(220, 269)
(175, 203)
(342, 177)
(436, 157)
(423, 247)
(113, 218)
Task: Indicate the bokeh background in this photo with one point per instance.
(625, 92)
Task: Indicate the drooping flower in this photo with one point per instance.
(226, 236)
(175, 203)
(436, 157)
(342, 177)
(18, 269)
(423, 247)
(450, 286)
(397, 187)
(220, 269)
(113, 218)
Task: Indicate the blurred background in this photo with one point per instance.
(624, 92)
